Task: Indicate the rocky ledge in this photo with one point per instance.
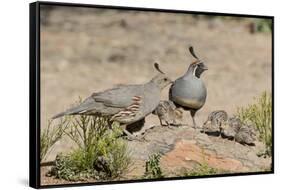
(185, 147)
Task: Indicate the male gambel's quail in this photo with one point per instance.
(168, 112)
(125, 104)
(189, 91)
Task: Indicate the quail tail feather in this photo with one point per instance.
(85, 106)
(71, 111)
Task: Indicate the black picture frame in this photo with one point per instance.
(34, 90)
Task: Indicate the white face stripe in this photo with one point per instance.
(195, 70)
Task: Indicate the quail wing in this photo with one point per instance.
(119, 97)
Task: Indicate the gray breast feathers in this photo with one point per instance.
(189, 92)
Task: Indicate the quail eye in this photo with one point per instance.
(165, 79)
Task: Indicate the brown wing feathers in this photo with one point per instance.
(129, 111)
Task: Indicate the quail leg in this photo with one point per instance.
(174, 123)
(168, 125)
(192, 113)
(130, 136)
(161, 123)
(220, 133)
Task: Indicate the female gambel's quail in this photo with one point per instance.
(189, 91)
(125, 104)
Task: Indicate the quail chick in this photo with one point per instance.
(215, 121)
(168, 113)
(189, 91)
(238, 131)
(246, 135)
(231, 128)
(125, 104)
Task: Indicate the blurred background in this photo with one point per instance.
(86, 50)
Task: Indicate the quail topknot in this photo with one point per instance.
(189, 91)
(125, 104)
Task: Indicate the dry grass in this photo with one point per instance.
(100, 154)
(260, 114)
(49, 136)
(152, 167)
(200, 170)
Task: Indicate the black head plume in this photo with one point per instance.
(156, 66)
(191, 50)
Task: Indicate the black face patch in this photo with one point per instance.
(199, 69)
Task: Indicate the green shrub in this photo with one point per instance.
(264, 25)
(152, 167)
(100, 153)
(49, 136)
(200, 170)
(260, 114)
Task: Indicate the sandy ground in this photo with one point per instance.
(88, 50)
